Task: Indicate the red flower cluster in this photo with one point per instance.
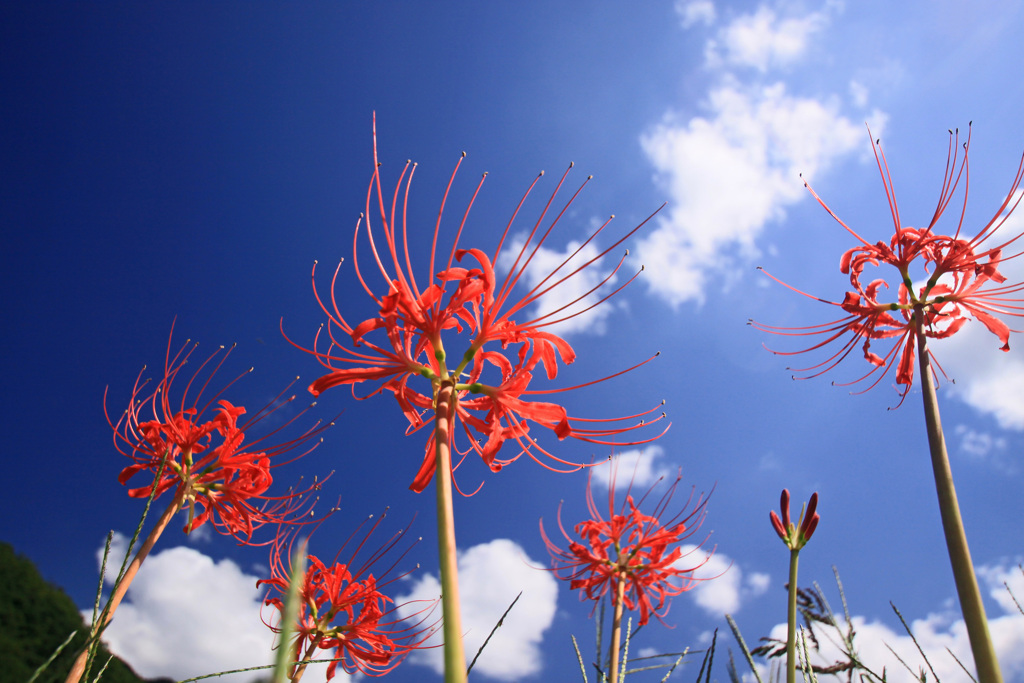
(795, 536)
(963, 283)
(343, 609)
(201, 456)
(469, 300)
(638, 550)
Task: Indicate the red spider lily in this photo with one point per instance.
(415, 321)
(195, 448)
(640, 551)
(343, 609)
(963, 282)
(795, 536)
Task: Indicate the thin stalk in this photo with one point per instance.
(454, 653)
(794, 559)
(620, 595)
(290, 617)
(583, 668)
(56, 653)
(743, 646)
(494, 630)
(625, 650)
(300, 666)
(78, 668)
(952, 526)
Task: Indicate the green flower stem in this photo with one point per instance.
(794, 560)
(454, 654)
(289, 619)
(952, 525)
(620, 596)
(78, 668)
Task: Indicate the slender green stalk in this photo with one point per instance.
(743, 646)
(264, 667)
(55, 654)
(952, 525)
(805, 665)
(794, 559)
(454, 653)
(289, 617)
(679, 660)
(494, 630)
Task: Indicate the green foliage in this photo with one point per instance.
(37, 617)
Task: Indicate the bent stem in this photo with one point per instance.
(454, 654)
(78, 668)
(952, 526)
(794, 559)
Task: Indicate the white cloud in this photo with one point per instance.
(1005, 582)
(758, 583)
(695, 11)
(996, 388)
(859, 94)
(730, 173)
(490, 577)
(203, 534)
(979, 445)
(638, 465)
(769, 462)
(724, 586)
(734, 169)
(565, 294)
(186, 614)
(937, 632)
(763, 40)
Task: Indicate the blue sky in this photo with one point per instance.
(191, 161)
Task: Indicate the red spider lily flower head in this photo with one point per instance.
(961, 282)
(343, 609)
(795, 536)
(194, 446)
(464, 302)
(641, 551)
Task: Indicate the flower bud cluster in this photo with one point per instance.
(795, 536)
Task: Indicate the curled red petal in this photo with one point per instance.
(777, 524)
(784, 507)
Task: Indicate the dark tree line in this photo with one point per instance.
(35, 618)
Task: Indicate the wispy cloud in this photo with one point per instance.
(567, 301)
(725, 587)
(763, 40)
(729, 174)
(490, 576)
(734, 169)
(642, 466)
(980, 445)
(696, 11)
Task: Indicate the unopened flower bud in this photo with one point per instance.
(784, 506)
